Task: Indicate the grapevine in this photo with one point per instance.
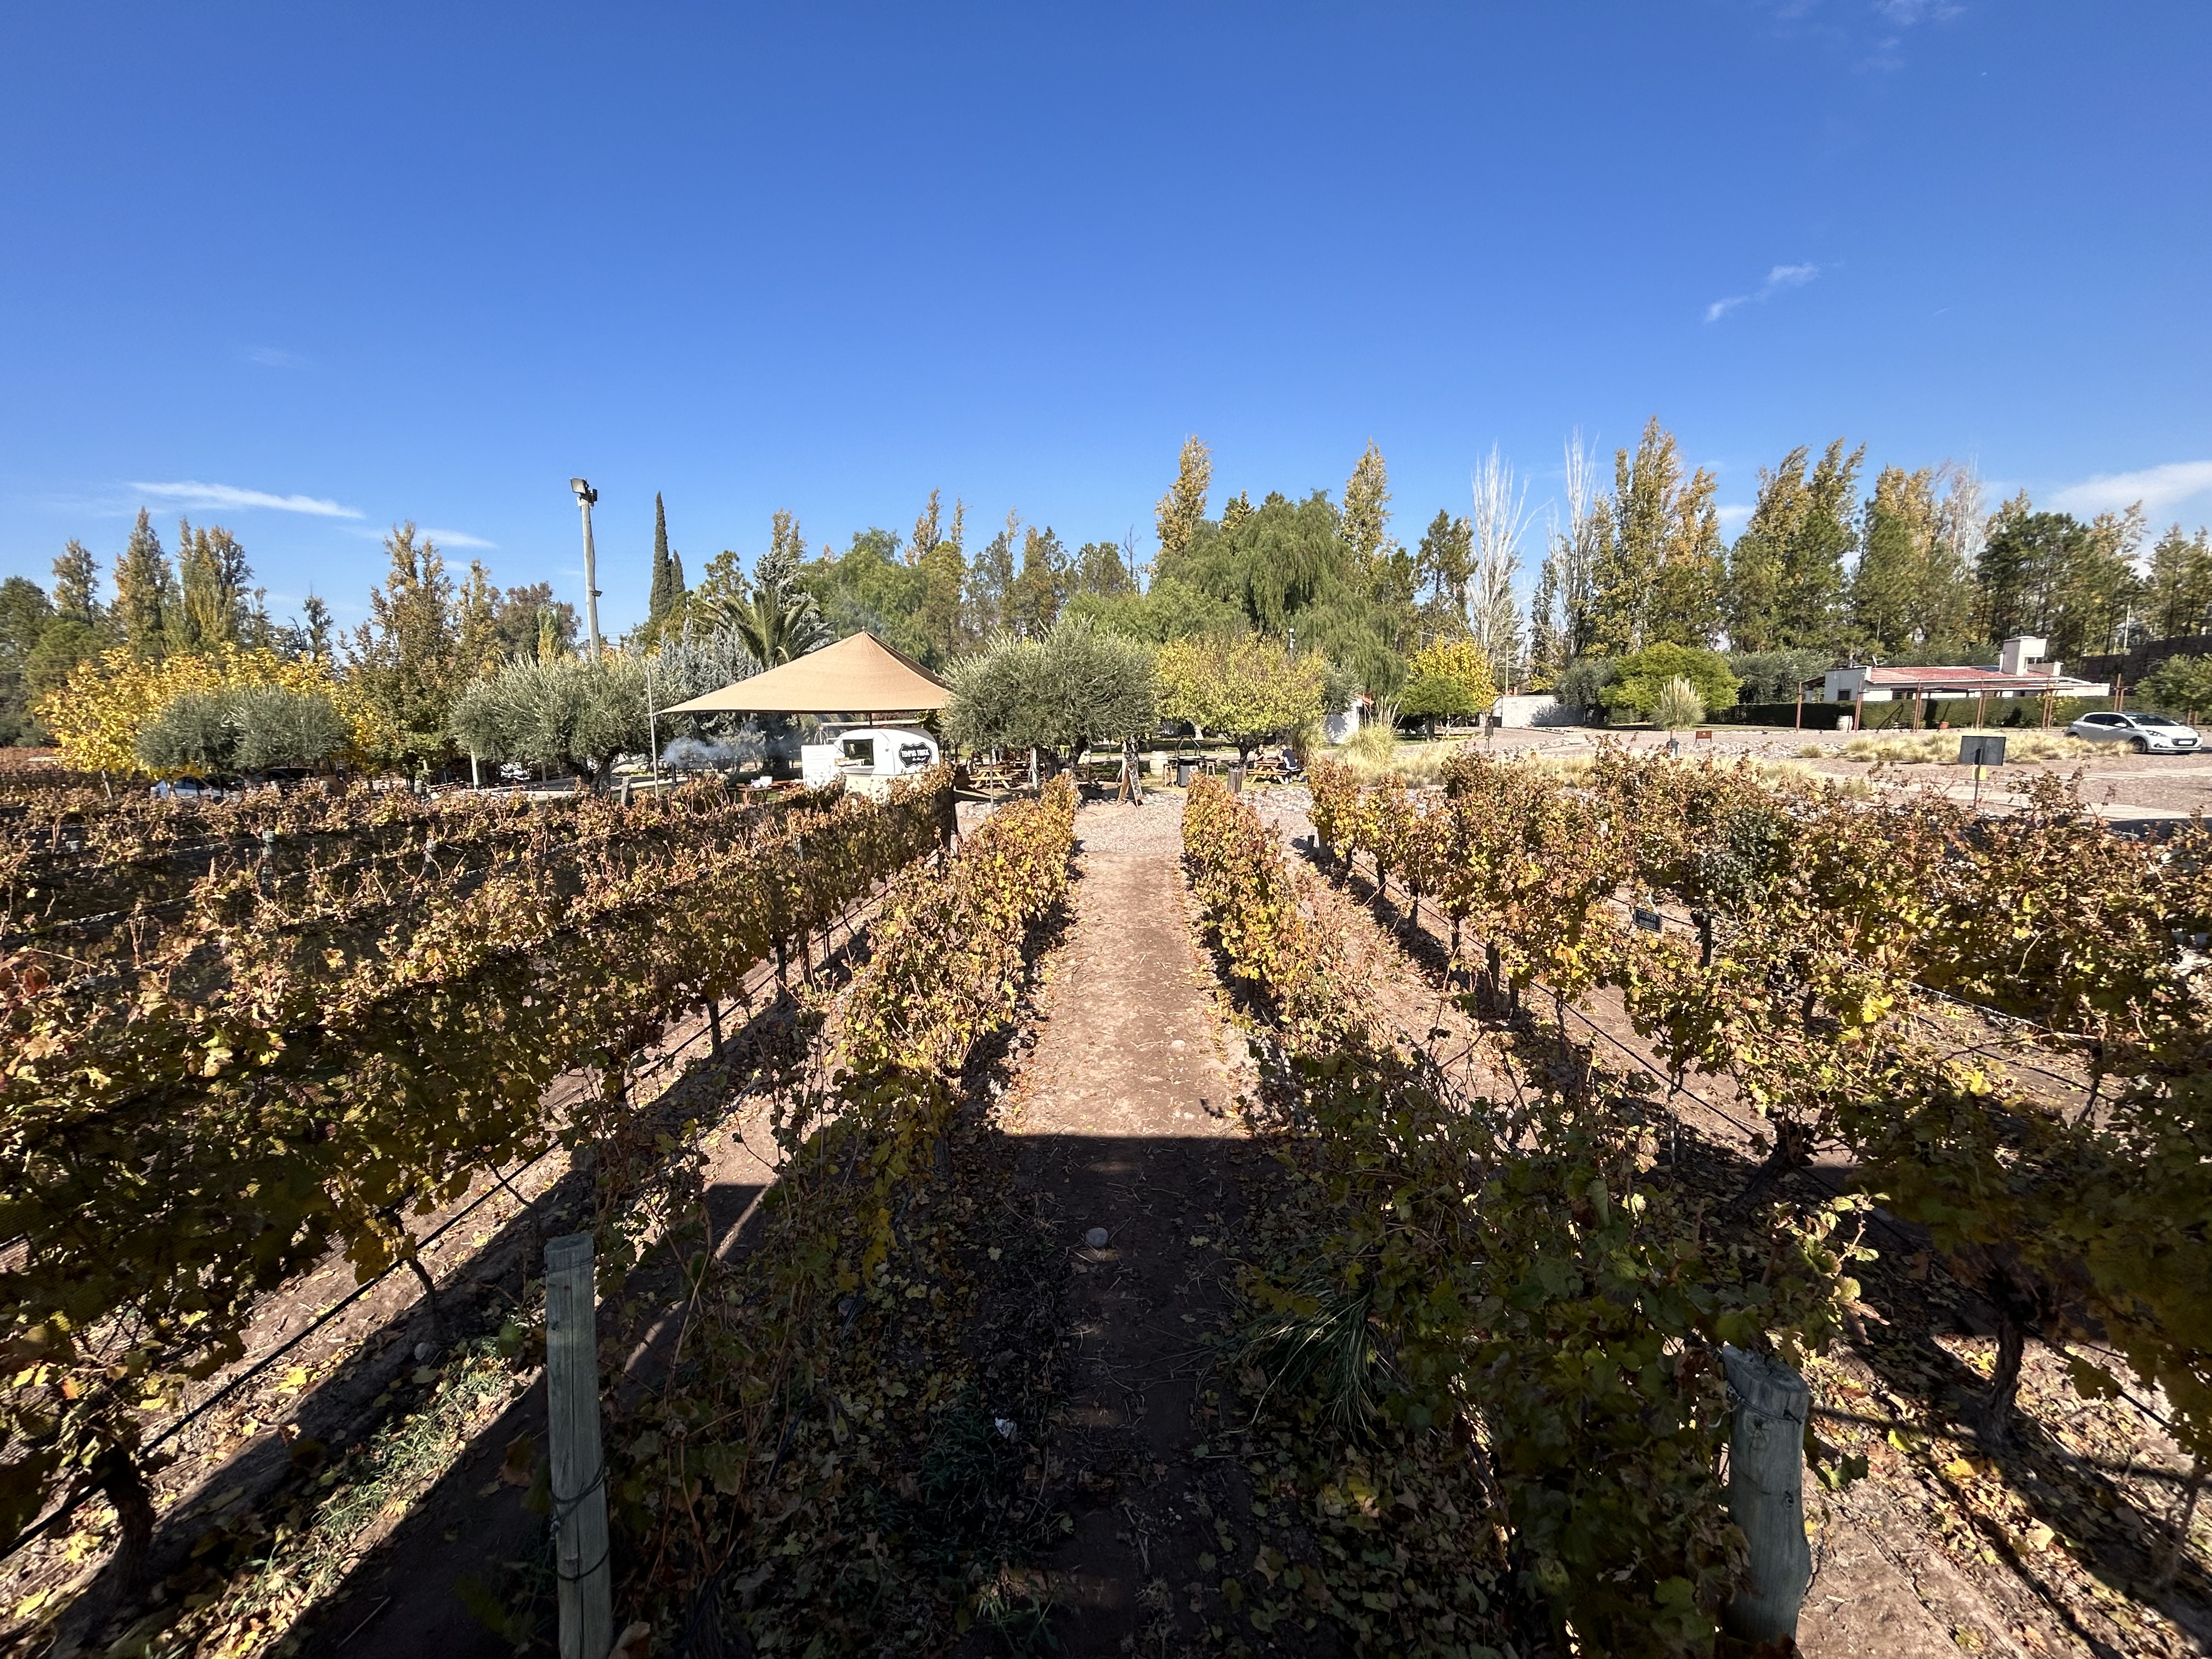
(724, 1480)
(171, 1159)
(1520, 1274)
(1851, 964)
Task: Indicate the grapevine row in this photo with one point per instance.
(1519, 1273)
(724, 1478)
(166, 1163)
(1825, 922)
(79, 881)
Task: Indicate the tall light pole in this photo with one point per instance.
(584, 496)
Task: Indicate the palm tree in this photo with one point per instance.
(778, 623)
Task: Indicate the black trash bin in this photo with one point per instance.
(1183, 774)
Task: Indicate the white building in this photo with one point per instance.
(2021, 672)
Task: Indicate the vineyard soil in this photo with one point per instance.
(1127, 1122)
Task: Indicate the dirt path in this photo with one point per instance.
(1128, 1124)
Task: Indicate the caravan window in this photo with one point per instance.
(862, 749)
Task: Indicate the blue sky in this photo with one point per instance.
(339, 267)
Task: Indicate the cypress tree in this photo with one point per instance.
(662, 597)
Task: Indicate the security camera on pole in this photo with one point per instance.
(584, 496)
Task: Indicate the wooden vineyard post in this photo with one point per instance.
(714, 1021)
(579, 1472)
(1766, 1493)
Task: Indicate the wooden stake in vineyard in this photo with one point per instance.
(578, 1471)
(1766, 1496)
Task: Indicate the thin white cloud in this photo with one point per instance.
(457, 538)
(270, 357)
(2156, 487)
(189, 493)
(1779, 280)
(1906, 13)
(1732, 518)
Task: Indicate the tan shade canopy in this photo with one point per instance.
(857, 676)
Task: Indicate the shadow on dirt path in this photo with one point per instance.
(1128, 1132)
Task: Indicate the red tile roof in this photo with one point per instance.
(1966, 679)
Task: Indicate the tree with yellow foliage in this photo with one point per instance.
(97, 716)
(1451, 677)
(1247, 689)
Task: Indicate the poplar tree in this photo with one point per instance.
(942, 617)
(1563, 615)
(1500, 518)
(1811, 592)
(1786, 582)
(76, 584)
(926, 531)
(145, 591)
(1182, 509)
(406, 656)
(1894, 548)
(2177, 595)
(1657, 565)
(1913, 588)
(1366, 513)
(1685, 595)
(212, 577)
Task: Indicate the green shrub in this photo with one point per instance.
(1644, 674)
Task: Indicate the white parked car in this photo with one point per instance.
(2147, 734)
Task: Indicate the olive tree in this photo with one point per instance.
(1077, 687)
(247, 728)
(569, 711)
